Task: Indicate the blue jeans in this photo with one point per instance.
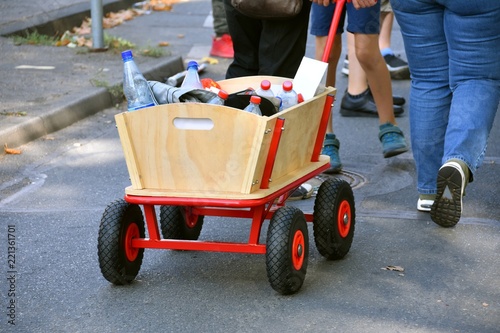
(453, 50)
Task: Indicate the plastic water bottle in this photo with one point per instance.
(220, 98)
(254, 106)
(135, 86)
(176, 80)
(192, 79)
(288, 96)
(265, 89)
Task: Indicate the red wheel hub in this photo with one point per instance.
(298, 250)
(344, 218)
(132, 232)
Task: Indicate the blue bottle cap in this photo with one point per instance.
(192, 64)
(127, 55)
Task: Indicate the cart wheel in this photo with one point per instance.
(118, 260)
(179, 222)
(287, 250)
(334, 218)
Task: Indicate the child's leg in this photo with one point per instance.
(333, 60)
(379, 80)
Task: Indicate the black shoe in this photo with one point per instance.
(396, 100)
(397, 67)
(362, 106)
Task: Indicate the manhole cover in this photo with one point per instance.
(354, 179)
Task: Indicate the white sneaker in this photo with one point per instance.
(424, 205)
(447, 208)
(302, 192)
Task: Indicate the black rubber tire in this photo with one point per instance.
(334, 218)
(174, 223)
(282, 272)
(116, 220)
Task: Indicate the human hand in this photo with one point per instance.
(363, 3)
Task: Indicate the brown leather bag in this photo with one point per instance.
(268, 9)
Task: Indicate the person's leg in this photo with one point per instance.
(430, 95)
(246, 33)
(283, 44)
(398, 68)
(222, 44)
(365, 25)
(357, 83)
(475, 84)
(358, 100)
(386, 22)
(219, 15)
(321, 18)
(474, 79)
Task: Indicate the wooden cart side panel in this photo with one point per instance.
(263, 143)
(222, 158)
(128, 151)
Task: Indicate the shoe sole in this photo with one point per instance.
(360, 113)
(446, 211)
(333, 171)
(399, 74)
(395, 152)
(357, 113)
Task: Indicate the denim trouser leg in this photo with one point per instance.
(455, 90)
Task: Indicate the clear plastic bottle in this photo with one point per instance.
(135, 86)
(192, 79)
(254, 106)
(265, 89)
(288, 96)
(220, 98)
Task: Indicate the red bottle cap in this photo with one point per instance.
(265, 84)
(223, 94)
(287, 85)
(255, 99)
(300, 98)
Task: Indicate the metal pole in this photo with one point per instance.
(96, 17)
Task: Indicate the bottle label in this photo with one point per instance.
(141, 107)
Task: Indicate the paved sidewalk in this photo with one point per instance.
(37, 101)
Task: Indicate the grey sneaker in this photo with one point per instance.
(397, 67)
(447, 208)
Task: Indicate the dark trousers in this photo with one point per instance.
(267, 47)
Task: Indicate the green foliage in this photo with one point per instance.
(34, 38)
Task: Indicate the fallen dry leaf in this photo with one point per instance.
(210, 60)
(10, 150)
(163, 44)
